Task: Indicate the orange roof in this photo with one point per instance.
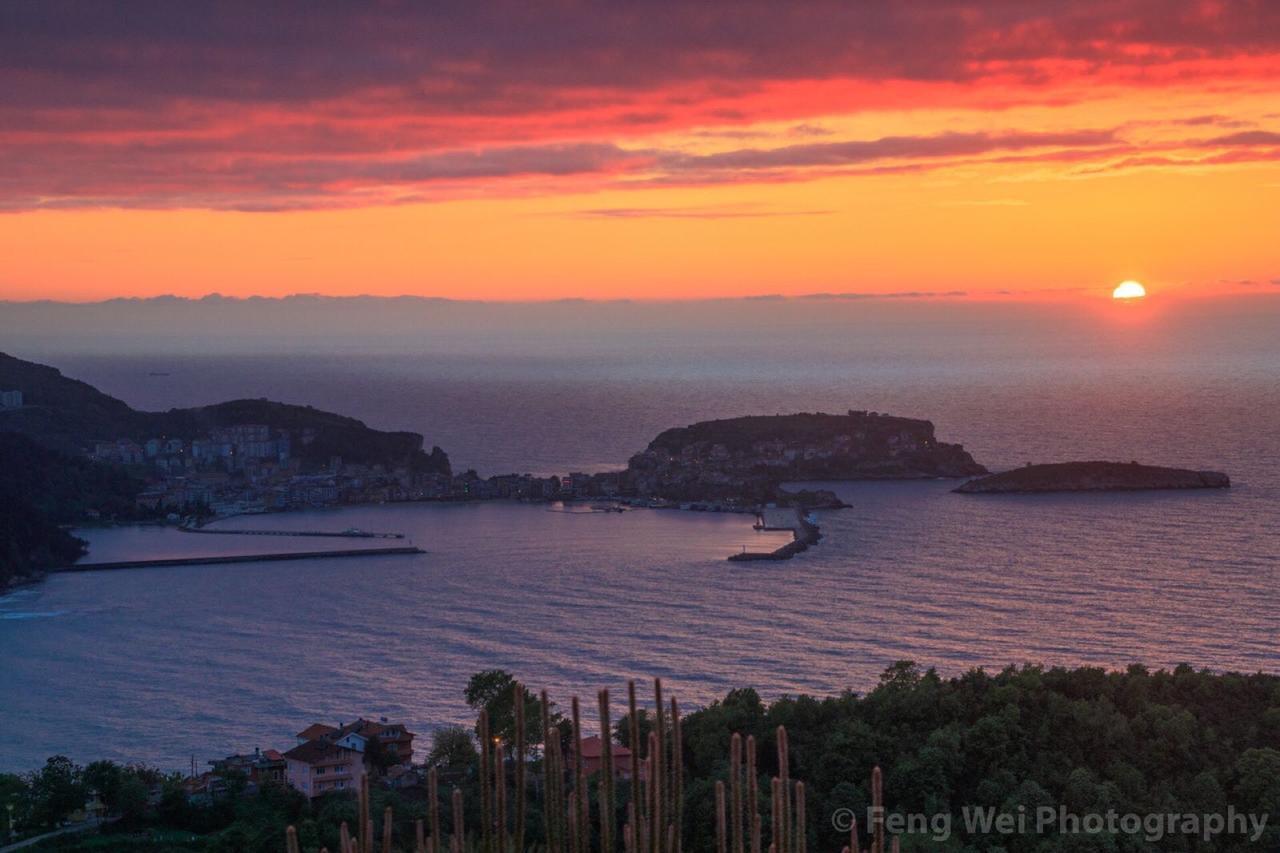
(315, 731)
(318, 751)
(592, 748)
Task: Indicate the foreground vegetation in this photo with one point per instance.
(1085, 739)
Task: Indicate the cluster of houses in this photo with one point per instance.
(252, 468)
(324, 760)
(334, 759)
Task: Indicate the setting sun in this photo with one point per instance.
(1129, 290)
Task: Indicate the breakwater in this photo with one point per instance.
(240, 558)
(337, 534)
(804, 534)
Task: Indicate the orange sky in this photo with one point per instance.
(935, 147)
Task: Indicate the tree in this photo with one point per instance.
(644, 725)
(377, 757)
(56, 790)
(131, 798)
(105, 777)
(494, 690)
(13, 792)
(452, 747)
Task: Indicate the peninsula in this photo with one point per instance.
(1093, 477)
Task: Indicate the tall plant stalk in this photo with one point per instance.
(607, 816)
(521, 793)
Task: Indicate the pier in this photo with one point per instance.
(240, 558)
(804, 533)
(338, 534)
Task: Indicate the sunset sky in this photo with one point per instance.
(641, 150)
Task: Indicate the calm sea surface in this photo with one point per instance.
(161, 664)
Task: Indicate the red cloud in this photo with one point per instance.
(240, 105)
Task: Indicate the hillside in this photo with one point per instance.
(69, 415)
(41, 489)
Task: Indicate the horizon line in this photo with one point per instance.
(1183, 290)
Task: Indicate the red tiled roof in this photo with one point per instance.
(368, 728)
(316, 731)
(317, 751)
(273, 755)
(591, 748)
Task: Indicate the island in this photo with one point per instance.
(747, 460)
(1093, 477)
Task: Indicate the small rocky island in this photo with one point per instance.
(1093, 477)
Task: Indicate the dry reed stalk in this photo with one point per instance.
(801, 830)
(458, 838)
(784, 775)
(634, 742)
(677, 775)
(722, 843)
(573, 823)
(553, 807)
(877, 813)
(521, 747)
(363, 814)
(607, 816)
(655, 793)
(582, 802)
(433, 809)
(500, 795)
(753, 793)
(660, 806)
(486, 801)
(735, 791)
(775, 801)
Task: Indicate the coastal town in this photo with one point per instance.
(252, 468)
(719, 465)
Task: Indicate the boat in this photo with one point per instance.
(607, 508)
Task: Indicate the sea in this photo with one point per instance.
(167, 665)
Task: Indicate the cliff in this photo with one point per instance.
(69, 416)
(748, 458)
(1094, 477)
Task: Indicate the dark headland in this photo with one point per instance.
(1093, 477)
